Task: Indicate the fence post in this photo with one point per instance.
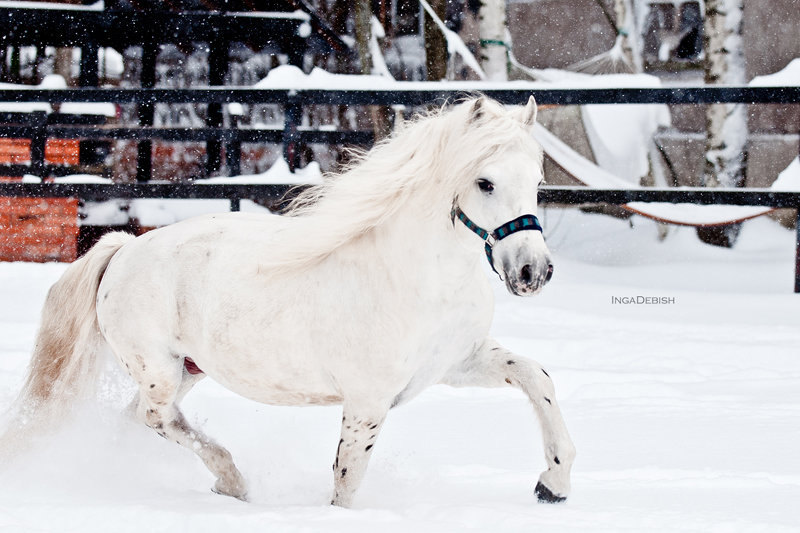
(797, 251)
(293, 113)
(797, 234)
(217, 68)
(38, 143)
(233, 157)
(291, 149)
(146, 112)
(89, 74)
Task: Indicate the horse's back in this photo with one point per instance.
(157, 281)
(196, 289)
(217, 234)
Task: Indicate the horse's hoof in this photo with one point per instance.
(241, 497)
(545, 495)
(223, 490)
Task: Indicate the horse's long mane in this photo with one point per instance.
(430, 158)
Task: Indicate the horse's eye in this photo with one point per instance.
(485, 185)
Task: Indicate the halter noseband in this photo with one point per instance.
(525, 222)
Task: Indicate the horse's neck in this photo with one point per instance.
(420, 243)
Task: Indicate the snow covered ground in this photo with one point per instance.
(686, 415)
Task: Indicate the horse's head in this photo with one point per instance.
(499, 204)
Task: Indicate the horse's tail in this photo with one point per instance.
(64, 362)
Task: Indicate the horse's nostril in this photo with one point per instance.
(549, 273)
(525, 274)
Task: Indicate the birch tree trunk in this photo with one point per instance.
(435, 43)
(363, 16)
(726, 124)
(379, 115)
(628, 35)
(492, 31)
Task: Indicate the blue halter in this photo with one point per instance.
(524, 222)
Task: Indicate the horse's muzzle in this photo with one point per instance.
(530, 278)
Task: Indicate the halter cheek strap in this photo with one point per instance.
(525, 222)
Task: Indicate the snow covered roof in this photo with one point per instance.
(788, 76)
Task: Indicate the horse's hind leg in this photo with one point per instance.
(159, 394)
(493, 366)
(360, 428)
(188, 381)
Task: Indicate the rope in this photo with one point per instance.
(496, 42)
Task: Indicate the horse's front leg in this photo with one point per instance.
(493, 366)
(360, 427)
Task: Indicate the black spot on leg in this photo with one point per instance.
(344, 471)
(508, 381)
(368, 448)
(180, 425)
(338, 449)
(548, 400)
(555, 459)
(545, 373)
(373, 426)
(152, 385)
(495, 349)
(510, 362)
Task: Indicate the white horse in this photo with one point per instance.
(369, 291)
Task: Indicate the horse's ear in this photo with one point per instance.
(529, 113)
(476, 112)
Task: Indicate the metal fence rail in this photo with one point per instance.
(548, 194)
(414, 94)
